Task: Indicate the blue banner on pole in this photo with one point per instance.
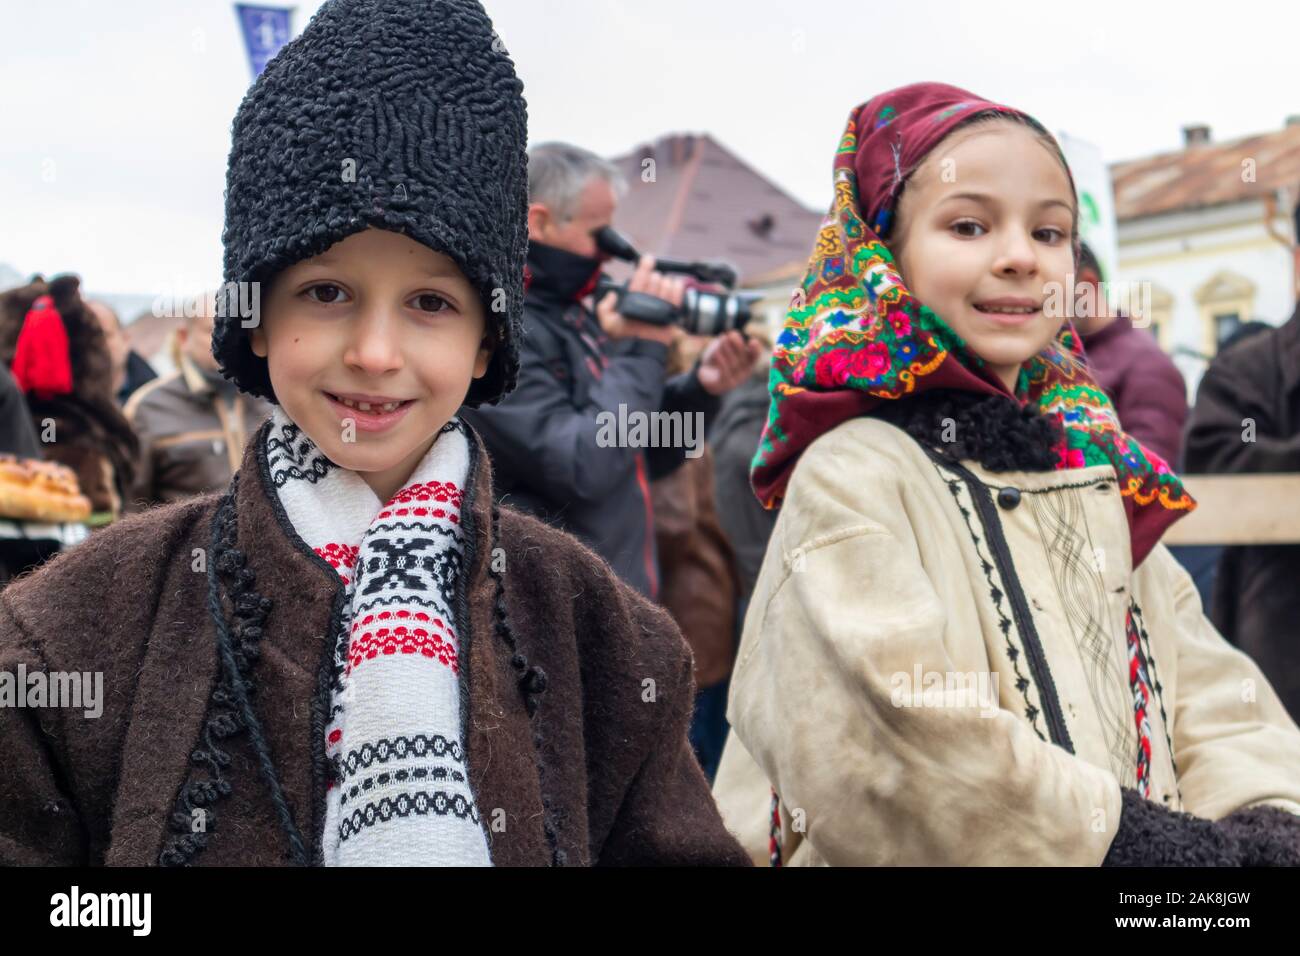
(265, 29)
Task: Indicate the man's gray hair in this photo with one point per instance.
(558, 173)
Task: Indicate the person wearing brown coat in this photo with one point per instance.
(604, 752)
(1247, 420)
(193, 424)
(351, 657)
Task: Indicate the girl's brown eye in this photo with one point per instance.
(968, 226)
(325, 293)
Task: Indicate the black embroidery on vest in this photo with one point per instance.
(996, 595)
(1042, 675)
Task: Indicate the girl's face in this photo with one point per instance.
(371, 347)
(984, 229)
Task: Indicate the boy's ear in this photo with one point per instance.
(257, 341)
(484, 357)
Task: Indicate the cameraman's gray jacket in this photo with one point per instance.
(550, 439)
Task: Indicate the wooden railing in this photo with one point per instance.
(1240, 509)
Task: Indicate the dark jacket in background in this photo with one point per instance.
(193, 426)
(734, 440)
(17, 433)
(138, 371)
(1149, 393)
(1257, 593)
(543, 436)
(18, 437)
(599, 749)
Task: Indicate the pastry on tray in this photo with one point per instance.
(33, 490)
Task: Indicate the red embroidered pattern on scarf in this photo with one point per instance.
(340, 556)
(440, 492)
(380, 633)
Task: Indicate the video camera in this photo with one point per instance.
(701, 313)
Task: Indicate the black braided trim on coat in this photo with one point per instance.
(532, 685)
(230, 710)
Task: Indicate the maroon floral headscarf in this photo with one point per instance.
(855, 336)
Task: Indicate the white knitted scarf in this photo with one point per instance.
(399, 794)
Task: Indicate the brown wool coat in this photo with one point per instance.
(697, 567)
(614, 767)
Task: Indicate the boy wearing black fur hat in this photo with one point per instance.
(351, 656)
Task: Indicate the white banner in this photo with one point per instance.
(1096, 202)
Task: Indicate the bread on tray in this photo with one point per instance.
(33, 490)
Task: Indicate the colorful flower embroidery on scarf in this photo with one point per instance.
(855, 336)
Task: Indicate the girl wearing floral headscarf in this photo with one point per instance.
(966, 644)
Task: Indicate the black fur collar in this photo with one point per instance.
(992, 430)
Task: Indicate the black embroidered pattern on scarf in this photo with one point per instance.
(399, 748)
(419, 803)
(410, 565)
(399, 776)
(290, 456)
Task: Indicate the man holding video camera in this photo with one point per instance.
(550, 455)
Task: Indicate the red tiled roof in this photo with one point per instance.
(707, 203)
(1208, 175)
(149, 332)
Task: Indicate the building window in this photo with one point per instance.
(1225, 301)
(1156, 316)
(1225, 323)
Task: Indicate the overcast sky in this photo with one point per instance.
(116, 115)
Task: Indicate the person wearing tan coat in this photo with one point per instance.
(966, 644)
(826, 708)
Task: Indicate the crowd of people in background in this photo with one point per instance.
(685, 531)
(498, 631)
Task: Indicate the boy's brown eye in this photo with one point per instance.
(428, 302)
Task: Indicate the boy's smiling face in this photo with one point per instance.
(981, 239)
(376, 320)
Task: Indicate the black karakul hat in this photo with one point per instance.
(398, 114)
